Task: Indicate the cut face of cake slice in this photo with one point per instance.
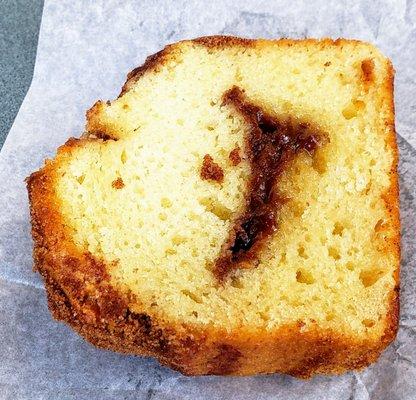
(233, 211)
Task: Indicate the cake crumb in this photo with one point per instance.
(118, 183)
(210, 170)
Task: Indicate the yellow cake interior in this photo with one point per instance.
(161, 228)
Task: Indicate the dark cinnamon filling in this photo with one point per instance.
(210, 170)
(270, 144)
(234, 156)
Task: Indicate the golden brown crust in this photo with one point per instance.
(79, 292)
(391, 201)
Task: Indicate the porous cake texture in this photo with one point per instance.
(233, 211)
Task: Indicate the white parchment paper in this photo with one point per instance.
(85, 50)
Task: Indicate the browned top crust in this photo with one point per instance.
(215, 42)
(80, 294)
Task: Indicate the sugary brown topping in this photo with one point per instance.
(210, 170)
(270, 144)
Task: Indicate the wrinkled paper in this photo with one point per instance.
(85, 50)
